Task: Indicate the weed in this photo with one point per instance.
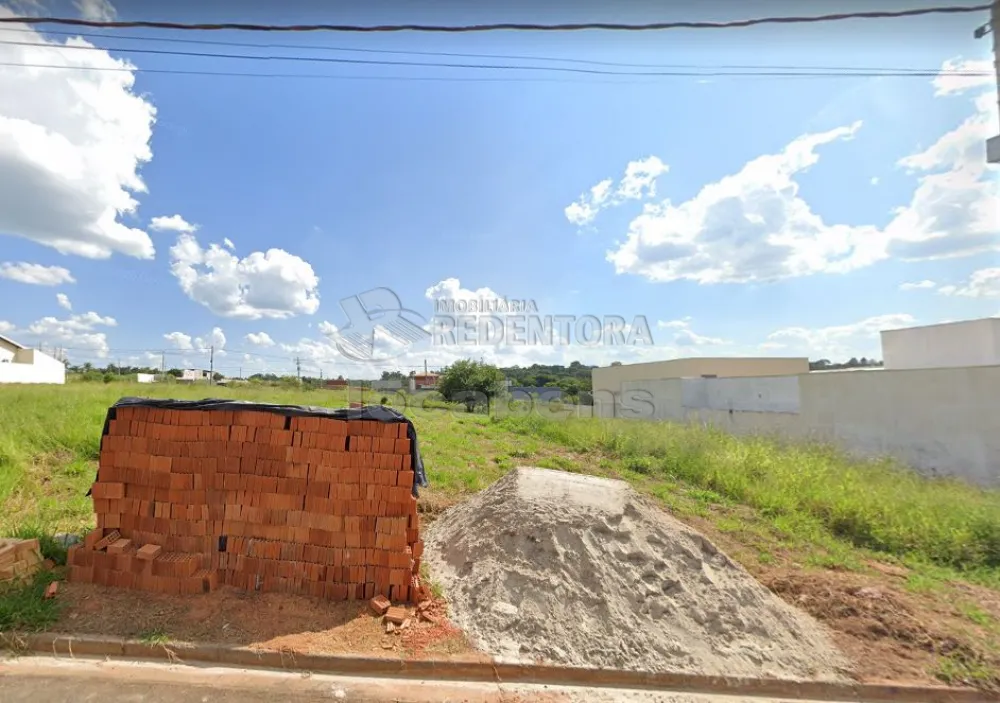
(23, 606)
(875, 505)
(156, 636)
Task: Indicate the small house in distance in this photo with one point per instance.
(193, 375)
(425, 381)
(21, 364)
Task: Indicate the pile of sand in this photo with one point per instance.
(581, 571)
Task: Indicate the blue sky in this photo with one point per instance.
(760, 215)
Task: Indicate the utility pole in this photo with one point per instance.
(211, 365)
(163, 363)
(993, 144)
(425, 367)
(298, 368)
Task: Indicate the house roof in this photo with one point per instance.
(11, 342)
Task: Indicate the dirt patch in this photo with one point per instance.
(892, 635)
(265, 620)
(581, 571)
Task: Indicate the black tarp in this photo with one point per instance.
(378, 413)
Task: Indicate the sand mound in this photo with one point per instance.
(581, 571)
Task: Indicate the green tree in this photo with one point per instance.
(471, 382)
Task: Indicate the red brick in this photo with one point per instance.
(102, 489)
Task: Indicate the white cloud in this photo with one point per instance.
(948, 83)
(96, 10)
(260, 339)
(984, 283)
(6, 327)
(839, 341)
(274, 284)
(874, 180)
(917, 285)
(214, 339)
(186, 342)
(749, 226)
(584, 211)
(754, 226)
(72, 140)
(451, 289)
(77, 333)
(638, 182)
(172, 223)
(63, 301)
(228, 243)
(179, 340)
(685, 337)
(953, 211)
(640, 179)
(35, 274)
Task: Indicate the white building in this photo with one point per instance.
(948, 345)
(145, 378)
(21, 364)
(195, 375)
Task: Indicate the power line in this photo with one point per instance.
(503, 26)
(487, 79)
(786, 71)
(450, 54)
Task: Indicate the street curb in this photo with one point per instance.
(484, 672)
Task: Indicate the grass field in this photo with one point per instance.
(779, 510)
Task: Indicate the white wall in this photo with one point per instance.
(939, 421)
(145, 378)
(955, 344)
(32, 366)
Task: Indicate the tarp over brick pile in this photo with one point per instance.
(262, 497)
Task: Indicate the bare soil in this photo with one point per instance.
(269, 621)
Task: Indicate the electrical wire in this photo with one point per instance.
(449, 54)
(478, 79)
(503, 26)
(495, 67)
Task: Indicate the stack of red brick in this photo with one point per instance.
(186, 499)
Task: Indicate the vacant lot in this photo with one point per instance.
(905, 571)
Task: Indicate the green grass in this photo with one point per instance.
(776, 504)
(23, 606)
(874, 505)
(155, 636)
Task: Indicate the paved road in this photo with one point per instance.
(52, 680)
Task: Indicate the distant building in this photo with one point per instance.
(941, 346)
(424, 381)
(192, 375)
(21, 364)
(336, 384)
(145, 378)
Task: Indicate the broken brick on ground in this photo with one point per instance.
(20, 559)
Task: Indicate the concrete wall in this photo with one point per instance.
(950, 345)
(610, 378)
(942, 422)
(31, 366)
